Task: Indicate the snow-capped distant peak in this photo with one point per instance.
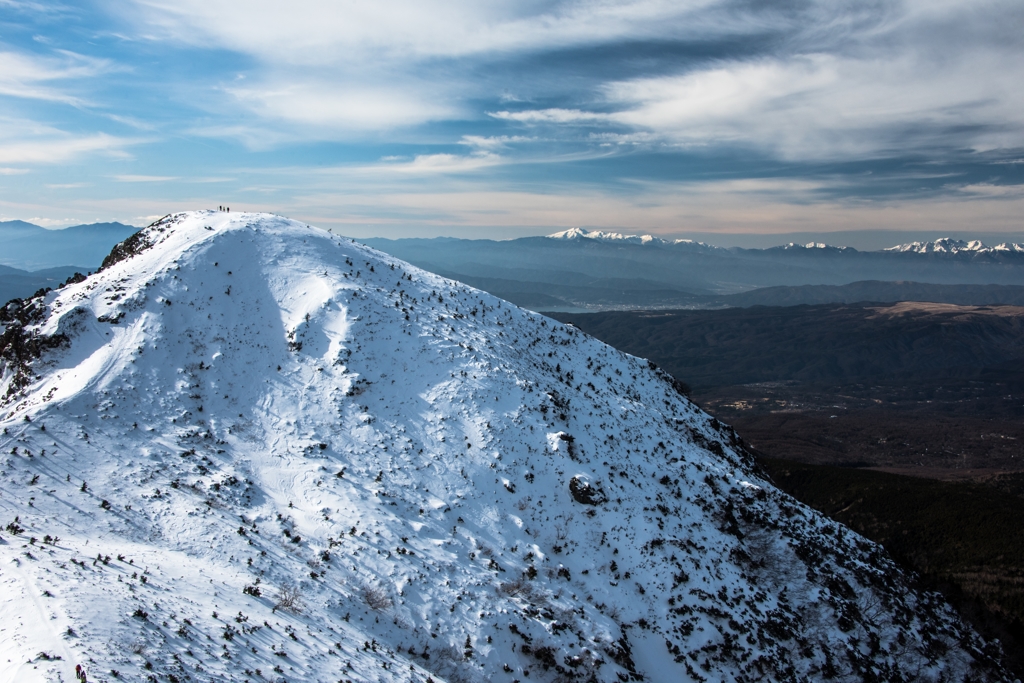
(949, 245)
(812, 246)
(618, 237)
(601, 236)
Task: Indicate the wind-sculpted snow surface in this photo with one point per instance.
(257, 451)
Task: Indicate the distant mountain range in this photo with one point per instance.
(945, 245)
(578, 270)
(17, 284)
(29, 247)
(948, 245)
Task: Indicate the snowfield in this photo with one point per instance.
(249, 450)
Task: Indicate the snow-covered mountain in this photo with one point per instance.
(249, 450)
(816, 246)
(576, 234)
(944, 245)
(618, 237)
(602, 236)
(949, 245)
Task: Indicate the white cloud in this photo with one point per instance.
(37, 7)
(320, 32)
(624, 139)
(144, 178)
(61, 149)
(816, 106)
(26, 76)
(839, 78)
(437, 163)
(254, 137)
(326, 68)
(53, 223)
(30, 142)
(849, 83)
(493, 142)
(132, 178)
(990, 191)
(131, 121)
(551, 116)
(348, 106)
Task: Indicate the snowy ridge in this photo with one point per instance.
(248, 450)
(949, 245)
(821, 246)
(613, 237)
(945, 245)
(601, 236)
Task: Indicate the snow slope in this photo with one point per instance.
(248, 450)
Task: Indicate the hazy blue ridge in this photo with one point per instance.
(32, 248)
(567, 274)
(18, 284)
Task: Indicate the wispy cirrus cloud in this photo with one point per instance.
(322, 68)
(809, 81)
(30, 76)
(60, 147)
(144, 178)
(443, 163)
(494, 142)
(321, 105)
(817, 106)
(403, 168)
(320, 32)
(851, 85)
(555, 115)
(44, 8)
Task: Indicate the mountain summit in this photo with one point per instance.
(249, 450)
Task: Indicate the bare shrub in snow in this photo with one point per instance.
(289, 597)
(517, 587)
(562, 527)
(375, 597)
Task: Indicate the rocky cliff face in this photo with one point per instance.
(251, 450)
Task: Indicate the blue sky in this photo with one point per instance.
(504, 118)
